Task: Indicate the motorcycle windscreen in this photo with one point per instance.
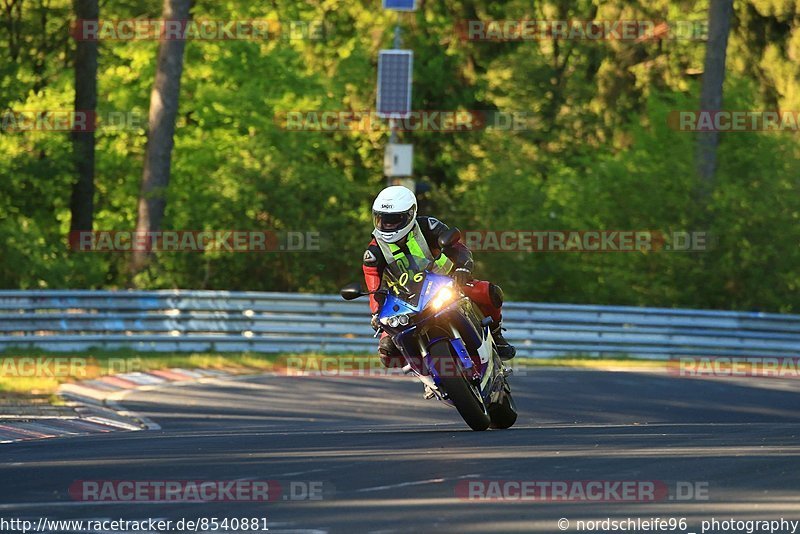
(414, 296)
(404, 278)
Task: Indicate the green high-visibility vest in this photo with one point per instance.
(418, 247)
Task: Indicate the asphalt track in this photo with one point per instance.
(389, 461)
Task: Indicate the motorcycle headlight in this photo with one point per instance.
(443, 297)
(398, 320)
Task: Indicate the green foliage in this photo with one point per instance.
(600, 154)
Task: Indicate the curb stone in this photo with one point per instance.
(91, 406)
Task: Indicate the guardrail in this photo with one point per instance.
(280, 322)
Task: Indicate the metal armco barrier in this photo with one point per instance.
(282, 322)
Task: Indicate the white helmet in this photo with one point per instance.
(394, 213)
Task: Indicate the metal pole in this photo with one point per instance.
(398, 41)
(398, 44)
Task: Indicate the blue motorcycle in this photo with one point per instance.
(446, 342)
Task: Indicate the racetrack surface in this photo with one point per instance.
(389, 461)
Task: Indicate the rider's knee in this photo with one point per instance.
(387, 347)
(389, 353)
(496, 295)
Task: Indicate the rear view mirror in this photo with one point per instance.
(449, 238)
(352, 291)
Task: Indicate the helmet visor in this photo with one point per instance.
(392, 222)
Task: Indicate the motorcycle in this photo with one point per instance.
(445, 340)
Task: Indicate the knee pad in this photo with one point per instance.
(496, 295)
(387, 347)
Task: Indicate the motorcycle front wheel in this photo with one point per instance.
(464, 395)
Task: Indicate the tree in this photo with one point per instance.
(83, 142)
(163, 110)
(719, 25)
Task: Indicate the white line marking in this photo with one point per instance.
(70, 504)
(415, 483)
(403, 485)
(295, 473)
(113, 402)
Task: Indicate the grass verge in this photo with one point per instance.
(592, 362)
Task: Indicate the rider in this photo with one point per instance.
(399, 233)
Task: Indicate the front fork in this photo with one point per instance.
(422, 366)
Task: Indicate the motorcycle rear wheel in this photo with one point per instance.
(504, 413)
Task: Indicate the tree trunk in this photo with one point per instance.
(719, 25)
(82, 201)
(163, 110)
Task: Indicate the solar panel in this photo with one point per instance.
(394, 83)
(400, 5)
